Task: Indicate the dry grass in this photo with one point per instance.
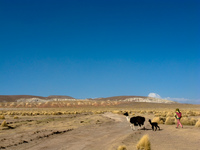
(190, 113)
(150, 112)
(156, 119)
(122, 147)
(197, 123)
(4, 124)
(188, 121)
(144, 143)
(170, 121)
(16, 117)
(2, 117)
(58, 104)
(170, 114)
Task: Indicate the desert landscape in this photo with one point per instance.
(99, 75)
(66, 123)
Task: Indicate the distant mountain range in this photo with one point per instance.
(15, 98)
(30, 98)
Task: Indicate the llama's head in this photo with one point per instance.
(126, 114)
(150, 120)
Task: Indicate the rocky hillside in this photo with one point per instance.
(135, 99)
(31, 98)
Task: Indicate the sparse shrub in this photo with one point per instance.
(143, 112)
(46, 113)
(197, 113)
(122, 147)
(156, 119)
(170, 121)
(4, 124)
(23, 114)
(116, 111)
(193, 121)
(156, 114)
(16, 117)
(98, 112)
(2, 117)
(188, 121)
(185, 121)
(190, 113)
(163, 115)
(197, 123)
(57, 113)
(159, 114)
(170, 114)
(150, 112)
(144, 143)
(184, 115)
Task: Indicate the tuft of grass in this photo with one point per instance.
(170, 114)
(150, 112)
(188, 121)
(190, 113)
(170, 121)
(2, 117)
(122, 147)
(156, 119)
(144, 143)
(142, 112)
(116, 111)
(197, 123)
(16, 117)
(4, 124)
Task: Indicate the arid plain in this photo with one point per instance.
(95, 125)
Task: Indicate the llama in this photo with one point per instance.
(154, 124)
(135, 121)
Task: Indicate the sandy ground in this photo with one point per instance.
(92, 132)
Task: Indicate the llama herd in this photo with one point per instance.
(139, 121)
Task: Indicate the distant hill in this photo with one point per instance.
(117, 98)
(30, 98)
(15, 98)
(135, 99)
(59, 97)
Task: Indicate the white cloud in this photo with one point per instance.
(155, 95)
(179, 100)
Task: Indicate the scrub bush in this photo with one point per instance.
(144, 143)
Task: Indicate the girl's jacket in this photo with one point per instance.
(178, 115)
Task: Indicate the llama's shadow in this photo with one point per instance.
(145, 129)
(150, 129)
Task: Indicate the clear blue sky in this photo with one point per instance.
(101, 48)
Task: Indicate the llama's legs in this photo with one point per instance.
(143, 127)
(159, 127)
(153, 128)
(132, 126)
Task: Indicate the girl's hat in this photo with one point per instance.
(177, 109)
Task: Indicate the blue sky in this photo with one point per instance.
(102, 48)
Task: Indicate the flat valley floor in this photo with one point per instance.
(87, 131)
